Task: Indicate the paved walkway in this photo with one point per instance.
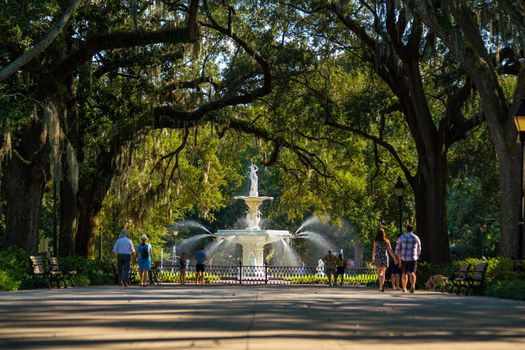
(256, 317)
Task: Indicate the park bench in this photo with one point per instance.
(66, 274)
(460, 279)
(40, 272)
(476, 279)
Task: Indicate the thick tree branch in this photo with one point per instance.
(515, 11)
(191, 84)
(274, 156)
(376, 140)
(41, 46)
(454, 122)
(353, 26)
(124, 39)
(170, 117)
(117, 40)
(303, 154)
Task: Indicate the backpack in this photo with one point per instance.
(144, 251)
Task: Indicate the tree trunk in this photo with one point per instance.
(504, 138)
(26, 175)
(87, 224)
(430, 181)
(510, 203)
(92, 192)
(68, 215)
(431, 220)
(68, 195)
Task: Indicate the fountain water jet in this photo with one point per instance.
(310, 221)
(188, 224)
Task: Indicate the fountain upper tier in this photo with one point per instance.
(253, 215)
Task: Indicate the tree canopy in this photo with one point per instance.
(141, 114)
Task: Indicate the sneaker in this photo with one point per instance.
(411, 290)
(405, 291)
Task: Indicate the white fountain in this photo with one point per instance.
(253, 238)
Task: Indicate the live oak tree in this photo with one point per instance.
(45, 87)
(404, 54)
(487, 38)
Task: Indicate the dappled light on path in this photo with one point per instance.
(243, 317)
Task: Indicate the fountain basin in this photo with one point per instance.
(253, 242)
(274, 234)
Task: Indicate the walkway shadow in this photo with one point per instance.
(237, 313)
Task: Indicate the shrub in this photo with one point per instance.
(510, 289)
(500, 269)
(316, 279)
(89, 272)
(81, 280)
(7, 282)
(15, 269)
(100, 272)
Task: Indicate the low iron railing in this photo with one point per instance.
(244, 274)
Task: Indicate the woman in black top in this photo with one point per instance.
(380, 253)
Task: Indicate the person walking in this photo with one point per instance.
(182, 268)
(144, 259)
(395, 270)
(200, 267)
(380, 252)
(123, 249)
(408, 250)
(330, 263)
(340, 271)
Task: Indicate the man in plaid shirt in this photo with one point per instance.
(408, 249)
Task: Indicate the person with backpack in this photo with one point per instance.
(143, 253)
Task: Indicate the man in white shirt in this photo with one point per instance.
(123, 249)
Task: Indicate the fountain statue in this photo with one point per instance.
(254, 185)
(253, 238)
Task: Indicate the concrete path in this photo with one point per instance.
(256, 317)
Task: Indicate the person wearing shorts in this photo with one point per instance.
(200, 258)
(408, 250)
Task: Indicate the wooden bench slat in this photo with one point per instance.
(38, 269)
(66, 274)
